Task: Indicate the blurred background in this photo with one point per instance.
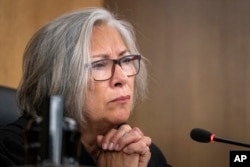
(199, 53)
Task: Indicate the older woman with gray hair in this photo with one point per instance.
(89, 58)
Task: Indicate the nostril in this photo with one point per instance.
(118, 84)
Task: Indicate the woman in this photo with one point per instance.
(90, 58)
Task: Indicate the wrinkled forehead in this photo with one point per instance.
(106, 39)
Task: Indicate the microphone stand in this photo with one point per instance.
(52, 139)
(218, 139)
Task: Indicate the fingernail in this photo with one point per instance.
(104, 146)
(111, 146)
(117, 147)
(125, 149)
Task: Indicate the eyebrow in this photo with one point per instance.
(106, 56)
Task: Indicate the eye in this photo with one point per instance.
(127, 59)
(99, 65)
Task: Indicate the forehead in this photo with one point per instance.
(106, 37)
(105, 32)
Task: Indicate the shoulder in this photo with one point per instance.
(157, 157)
(12, 143)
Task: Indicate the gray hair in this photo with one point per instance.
(55, 61)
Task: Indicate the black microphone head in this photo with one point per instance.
(200, 135)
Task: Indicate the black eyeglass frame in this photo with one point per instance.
(118, 61)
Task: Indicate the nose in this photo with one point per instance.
(119, 78)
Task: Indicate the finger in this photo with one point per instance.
(138, 130)
(121, 132)
(147, 140)
(107, 144)
(138, 147)
(121, 124)
(109, 141)
(132, 136)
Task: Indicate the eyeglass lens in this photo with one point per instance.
(103, 69)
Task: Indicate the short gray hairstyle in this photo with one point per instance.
(55, 61)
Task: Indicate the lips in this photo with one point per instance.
(121, 99)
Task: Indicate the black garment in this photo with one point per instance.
(12, 147)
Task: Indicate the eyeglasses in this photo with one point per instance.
(104, 69)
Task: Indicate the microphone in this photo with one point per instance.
(205, 136)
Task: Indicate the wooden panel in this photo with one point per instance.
(19, 20)
(199, 74)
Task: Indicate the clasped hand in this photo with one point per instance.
(124, 147)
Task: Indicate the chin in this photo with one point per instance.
(120, 119)
(119, 115)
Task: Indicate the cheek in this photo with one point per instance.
(94, 96)
(96, 90)
(90, 105)
(132, 84)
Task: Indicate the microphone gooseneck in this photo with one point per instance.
(205, 136)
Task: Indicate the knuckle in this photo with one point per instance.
(138, 130)
(135, 133)
(125, 127)
(148, 140)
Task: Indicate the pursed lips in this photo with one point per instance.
(121, 99)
